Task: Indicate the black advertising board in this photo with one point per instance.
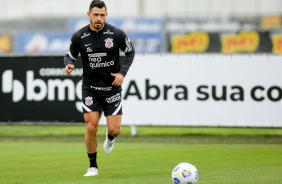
(36, 88)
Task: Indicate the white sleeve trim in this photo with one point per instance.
(71, 56)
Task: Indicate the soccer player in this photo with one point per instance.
(98, 44)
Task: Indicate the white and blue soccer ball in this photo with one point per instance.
(185, 173)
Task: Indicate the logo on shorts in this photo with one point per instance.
(114, 98)
(88, 101)
(109, 43)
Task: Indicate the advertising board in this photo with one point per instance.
(159, 90)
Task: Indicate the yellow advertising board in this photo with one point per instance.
(277, 43)
(192, 42)
(241, 42)
(5, 43)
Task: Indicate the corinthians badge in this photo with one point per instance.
(88, 101)
(109, 43)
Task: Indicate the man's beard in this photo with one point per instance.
(98, 27)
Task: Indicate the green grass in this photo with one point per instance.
(16, 130)
(56, 154)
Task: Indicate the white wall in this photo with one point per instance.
(18, 9)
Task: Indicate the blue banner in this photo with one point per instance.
(127, 25)
(147, 35)
(147, 42)
(42, 42)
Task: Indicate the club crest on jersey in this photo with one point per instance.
(109, 43)
(88, 101)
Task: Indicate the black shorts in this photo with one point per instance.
(107, 101)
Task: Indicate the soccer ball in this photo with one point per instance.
(185, 173)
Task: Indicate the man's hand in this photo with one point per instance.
(69, 68)
(118, 79)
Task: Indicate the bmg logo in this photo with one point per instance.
(8, 84)
(39, 90)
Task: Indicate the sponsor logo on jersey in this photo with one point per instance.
(109, 43)
(89, 49)
(88, 101)
(108, 32)
(128, 46)
(97, 55)
(97, 62)
(85, 35)
(86, 45)
(101, 65)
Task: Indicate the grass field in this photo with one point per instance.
(56, 154)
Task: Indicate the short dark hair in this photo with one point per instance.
(98, 4)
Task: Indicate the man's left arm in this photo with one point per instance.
(127, 47)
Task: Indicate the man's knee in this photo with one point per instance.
(114, 131)
(91, 128)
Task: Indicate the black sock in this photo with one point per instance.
(92, 158)
(111, 137)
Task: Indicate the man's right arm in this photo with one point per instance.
(71, 54)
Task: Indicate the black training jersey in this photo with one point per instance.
(100, 55)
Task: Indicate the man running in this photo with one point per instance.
(98, 44)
